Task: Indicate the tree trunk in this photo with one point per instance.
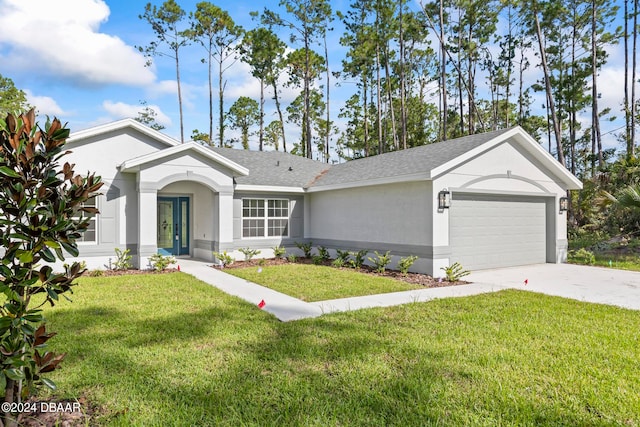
(627, 118)
(277, 100)
(261, 131)
(547, 83)
(220, 103)
(633, 78)
(328, 129)
(307, 99)
(387, 69)
(179, 97)
(597, 136)
(379, 99)
(403, 112)
(443, 73)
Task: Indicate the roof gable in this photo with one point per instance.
(136, 163)
(123, 124)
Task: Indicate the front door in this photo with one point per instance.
(173, 225)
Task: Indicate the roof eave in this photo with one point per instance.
(121, 124)
(420, 176)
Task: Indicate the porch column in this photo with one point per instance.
(147, 223)
(225, 219)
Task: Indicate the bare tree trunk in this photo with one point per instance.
(210, 99)
(387, 69)
(443, 73)
(403, 112)
(596, 135)
(547, 83)
(627, 118)
(277, 100)
(307, 100)
(365, 116)
(179, 98)
(220, 104)
(633, 78)
(379, 100)
(328, 129)
(261, 131)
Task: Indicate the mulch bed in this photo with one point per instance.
(413, 278)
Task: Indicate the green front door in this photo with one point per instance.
(173, 225)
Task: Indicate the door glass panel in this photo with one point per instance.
(165, 224)
(184, 217)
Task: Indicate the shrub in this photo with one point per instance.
(96, 273)
(306, 248)
(324, 253)
(123, 259)
(318, 259)
(224, 258)
(380, 262)
(343, 255)
(43, 215)
(292, 258)
(405, 264)
(161, 262)
(278, 251)
(455, 272)
(338, 263)
(358, 258)
(581, 256)
(249, 253)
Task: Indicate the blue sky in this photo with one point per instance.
(76, 59)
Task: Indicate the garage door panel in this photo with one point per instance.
(489, 231)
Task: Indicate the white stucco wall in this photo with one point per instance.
(393, 213)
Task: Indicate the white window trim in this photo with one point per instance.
(265, 218)
(95, 220)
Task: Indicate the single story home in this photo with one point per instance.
(487, 200)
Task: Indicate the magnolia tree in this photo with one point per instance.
(42, 213)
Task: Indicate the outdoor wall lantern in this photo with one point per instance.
(564, 204)
(444, 200)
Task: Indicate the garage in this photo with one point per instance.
(489, 231)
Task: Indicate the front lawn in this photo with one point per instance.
(170, 350)
(319, 283)
(621, 252)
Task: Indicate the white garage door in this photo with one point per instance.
(488, 231)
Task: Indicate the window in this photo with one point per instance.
(91, 234)
(260, 222)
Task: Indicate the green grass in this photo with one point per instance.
(618, 256)
(319, 283)
(170, 350)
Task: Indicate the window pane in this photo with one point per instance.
(278, 227)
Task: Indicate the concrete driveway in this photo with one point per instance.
(583, 283)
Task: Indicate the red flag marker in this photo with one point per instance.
(526, 282)
(261, 304)
(178, 267)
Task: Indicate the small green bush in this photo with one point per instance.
(318, 259)
(224, 258)
(358, 258)
(278, 251)
(123, 259)
(338, 263)
(292, 258)
(581, 256)
(455, 272)
(96, 273)
(306, 248)
(249, 253)
(405, 264)
(324, 253)
(380, 261)
(343, 255)
(161, 262)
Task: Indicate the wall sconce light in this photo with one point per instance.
(564, 204)
(444, 200)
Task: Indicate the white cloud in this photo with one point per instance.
(62, 37)
(120, 110)
(45, 105)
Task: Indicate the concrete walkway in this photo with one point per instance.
(591, 284)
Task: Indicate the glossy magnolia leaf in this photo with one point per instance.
(14, 374)
(6, 171)
(49, 383)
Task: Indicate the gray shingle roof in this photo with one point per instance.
(403, 162)
(272, 167)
